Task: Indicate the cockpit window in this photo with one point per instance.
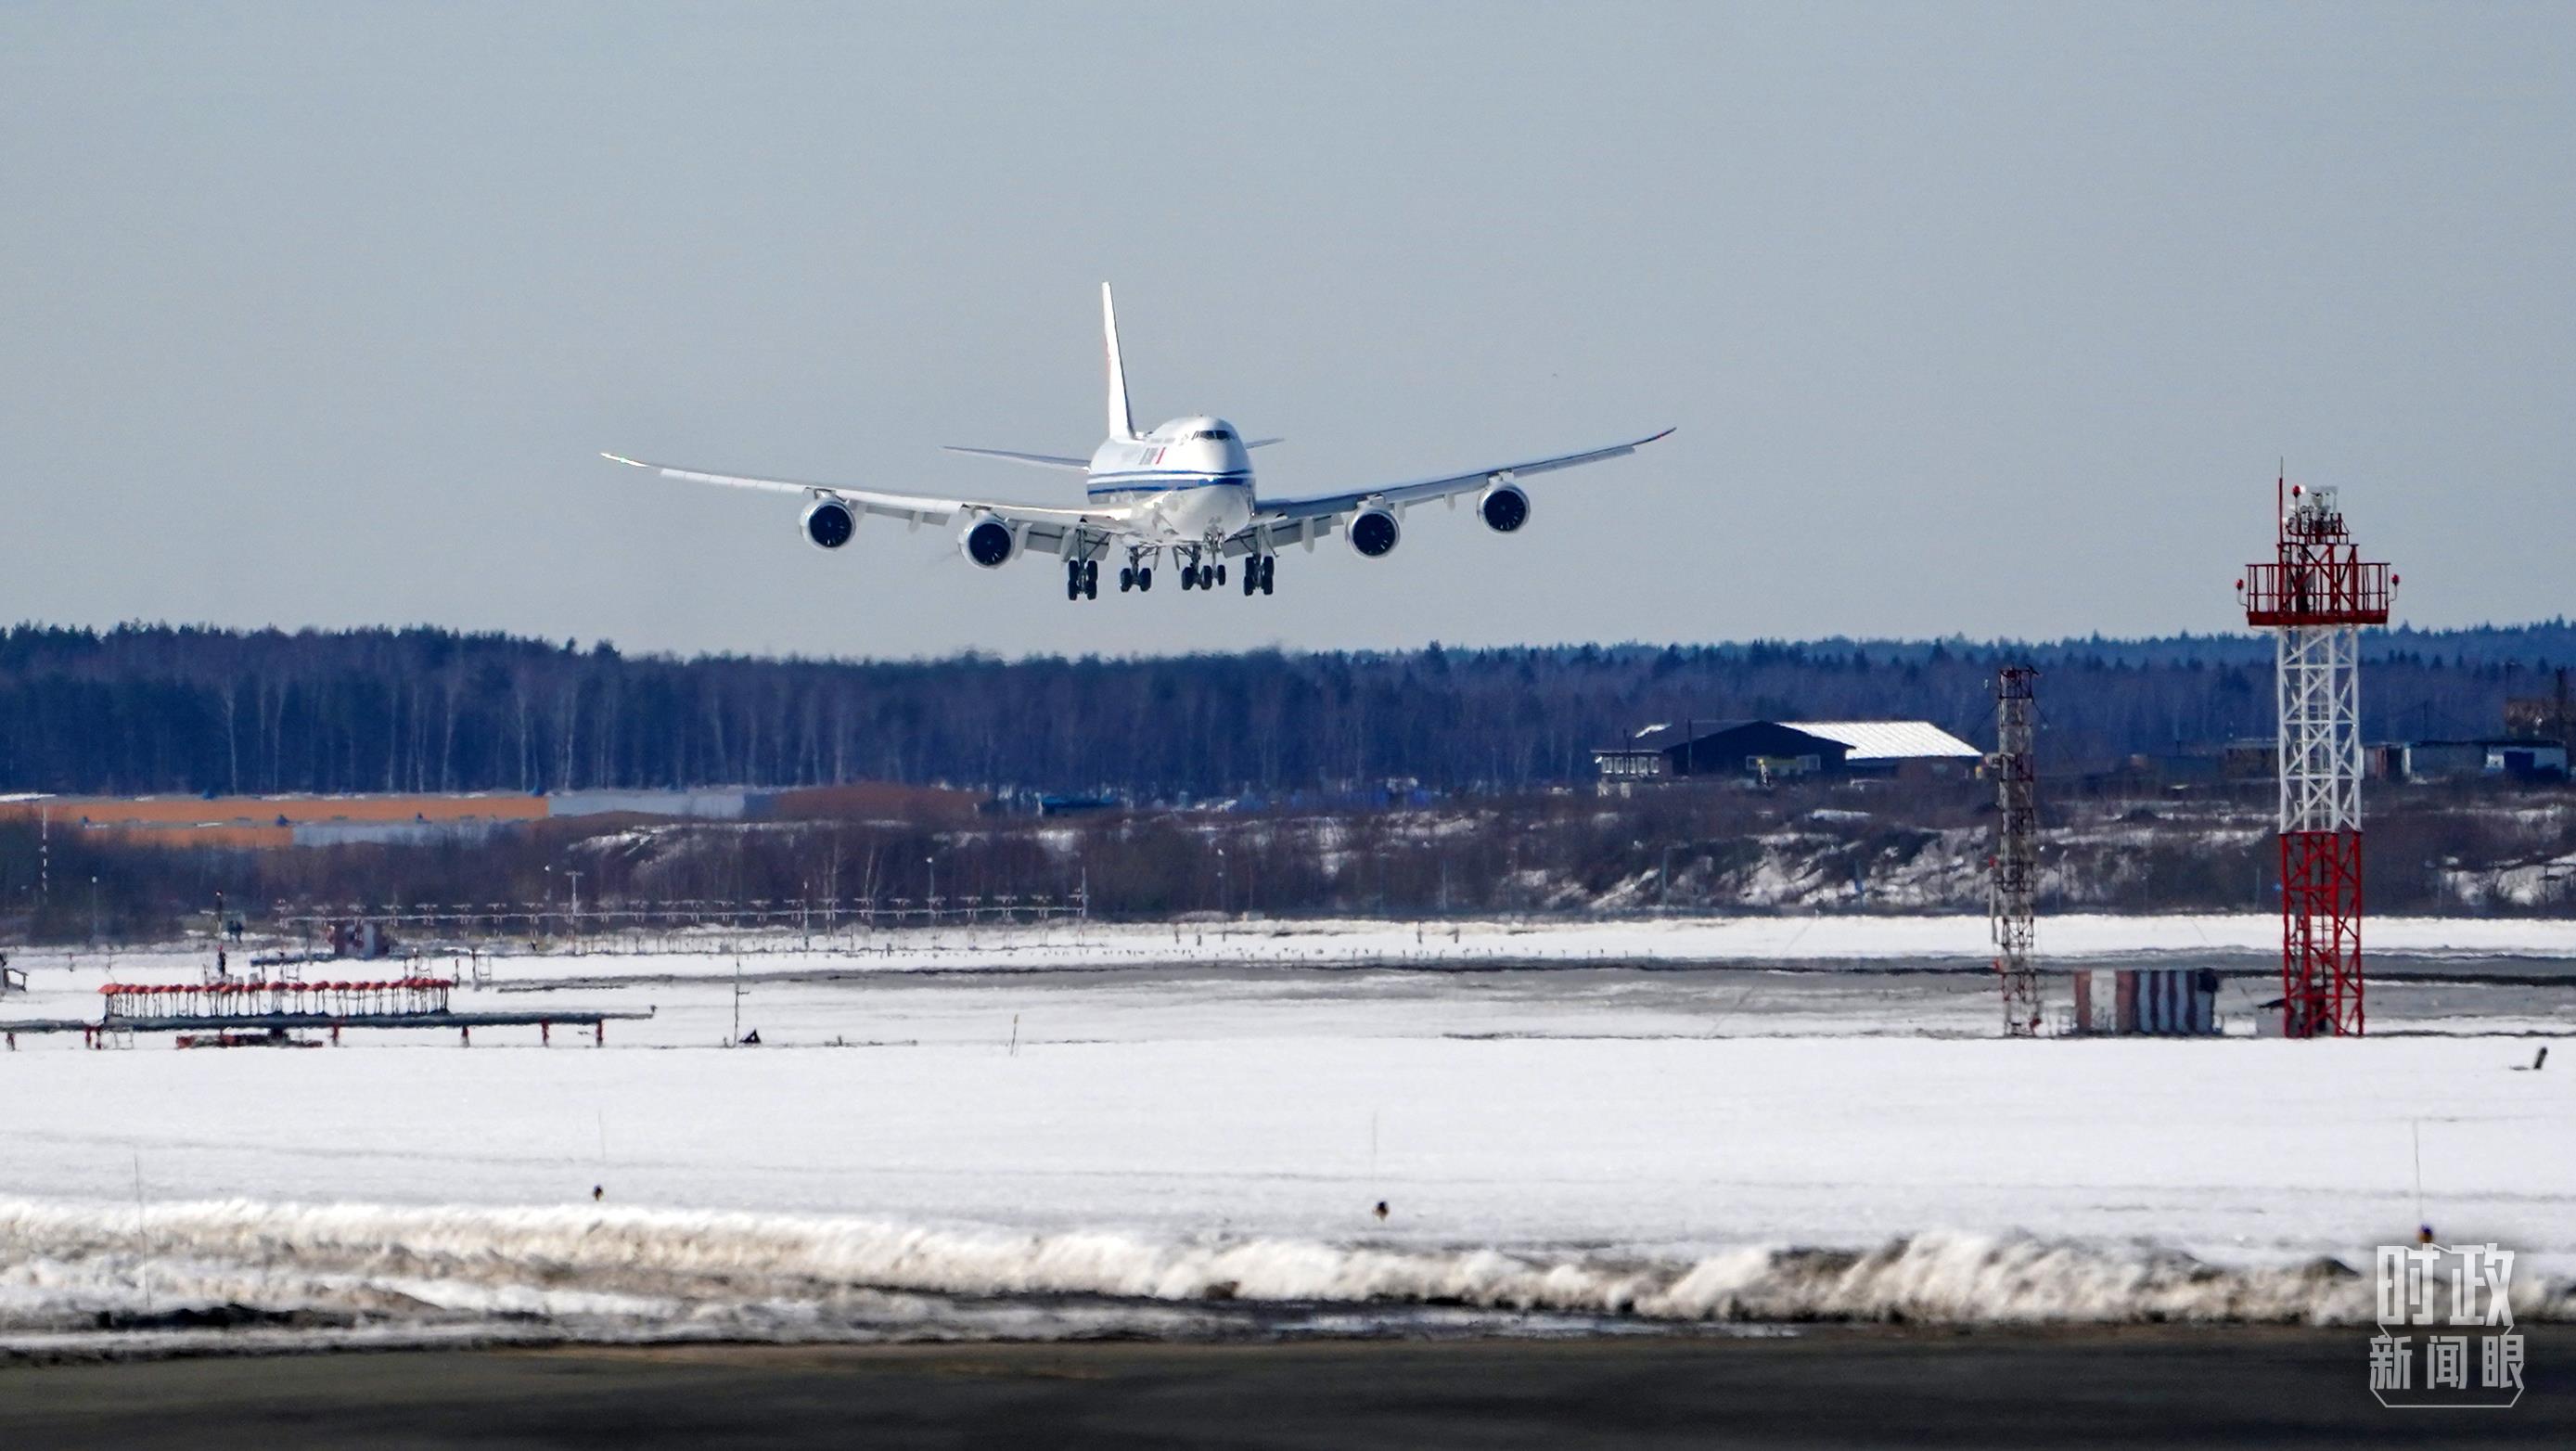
(1217, 434)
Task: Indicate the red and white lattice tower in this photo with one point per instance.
(2316, 593)
(2015, 898)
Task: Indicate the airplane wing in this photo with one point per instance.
(1053, 531)
(1290, 520)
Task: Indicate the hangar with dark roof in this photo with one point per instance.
(1773, 750)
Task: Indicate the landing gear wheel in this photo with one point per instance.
(1220, 574)
(1073, 583)
(1126, 579)
(1189, 577)
(1145, 578)
(1269, 572)
(1251, 577)
(1091, 579)
(1207, 577)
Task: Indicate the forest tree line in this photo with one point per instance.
(156, 708)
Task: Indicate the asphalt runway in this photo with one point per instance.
(1833, 1387)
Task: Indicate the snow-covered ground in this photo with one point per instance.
(1782, 939)
(1824, 940)
(1141, 1146)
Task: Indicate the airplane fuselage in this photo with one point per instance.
(1189, 480)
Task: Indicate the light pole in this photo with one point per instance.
(930, 903)
(1220, 881)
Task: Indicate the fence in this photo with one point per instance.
(678, 924)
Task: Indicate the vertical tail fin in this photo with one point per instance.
(1121, 423)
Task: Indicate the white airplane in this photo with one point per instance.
(1185, 487)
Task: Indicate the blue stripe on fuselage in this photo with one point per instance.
(1162, 481)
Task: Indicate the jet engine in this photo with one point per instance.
(1373, 530)
(988, 542)
(1503, 507)
(828, 523)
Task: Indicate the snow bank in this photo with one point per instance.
(630, 1272)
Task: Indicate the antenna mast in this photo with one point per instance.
(2015, 897)
(2316, 594)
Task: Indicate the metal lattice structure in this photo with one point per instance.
(2316, 594)
(2014, 900)
(233, 997)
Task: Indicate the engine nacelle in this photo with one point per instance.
(989, 543)
(1373, 530)
(829, 523)
(1503, 507)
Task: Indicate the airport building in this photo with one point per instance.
(2517, 759)
(1774, 750)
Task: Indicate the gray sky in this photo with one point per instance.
(1978, 320)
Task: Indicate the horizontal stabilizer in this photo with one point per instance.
(1042, 460)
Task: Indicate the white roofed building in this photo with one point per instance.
(1877, 742)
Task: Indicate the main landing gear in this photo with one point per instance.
(1082, 579)
(1260, 572)
(1195, 575)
